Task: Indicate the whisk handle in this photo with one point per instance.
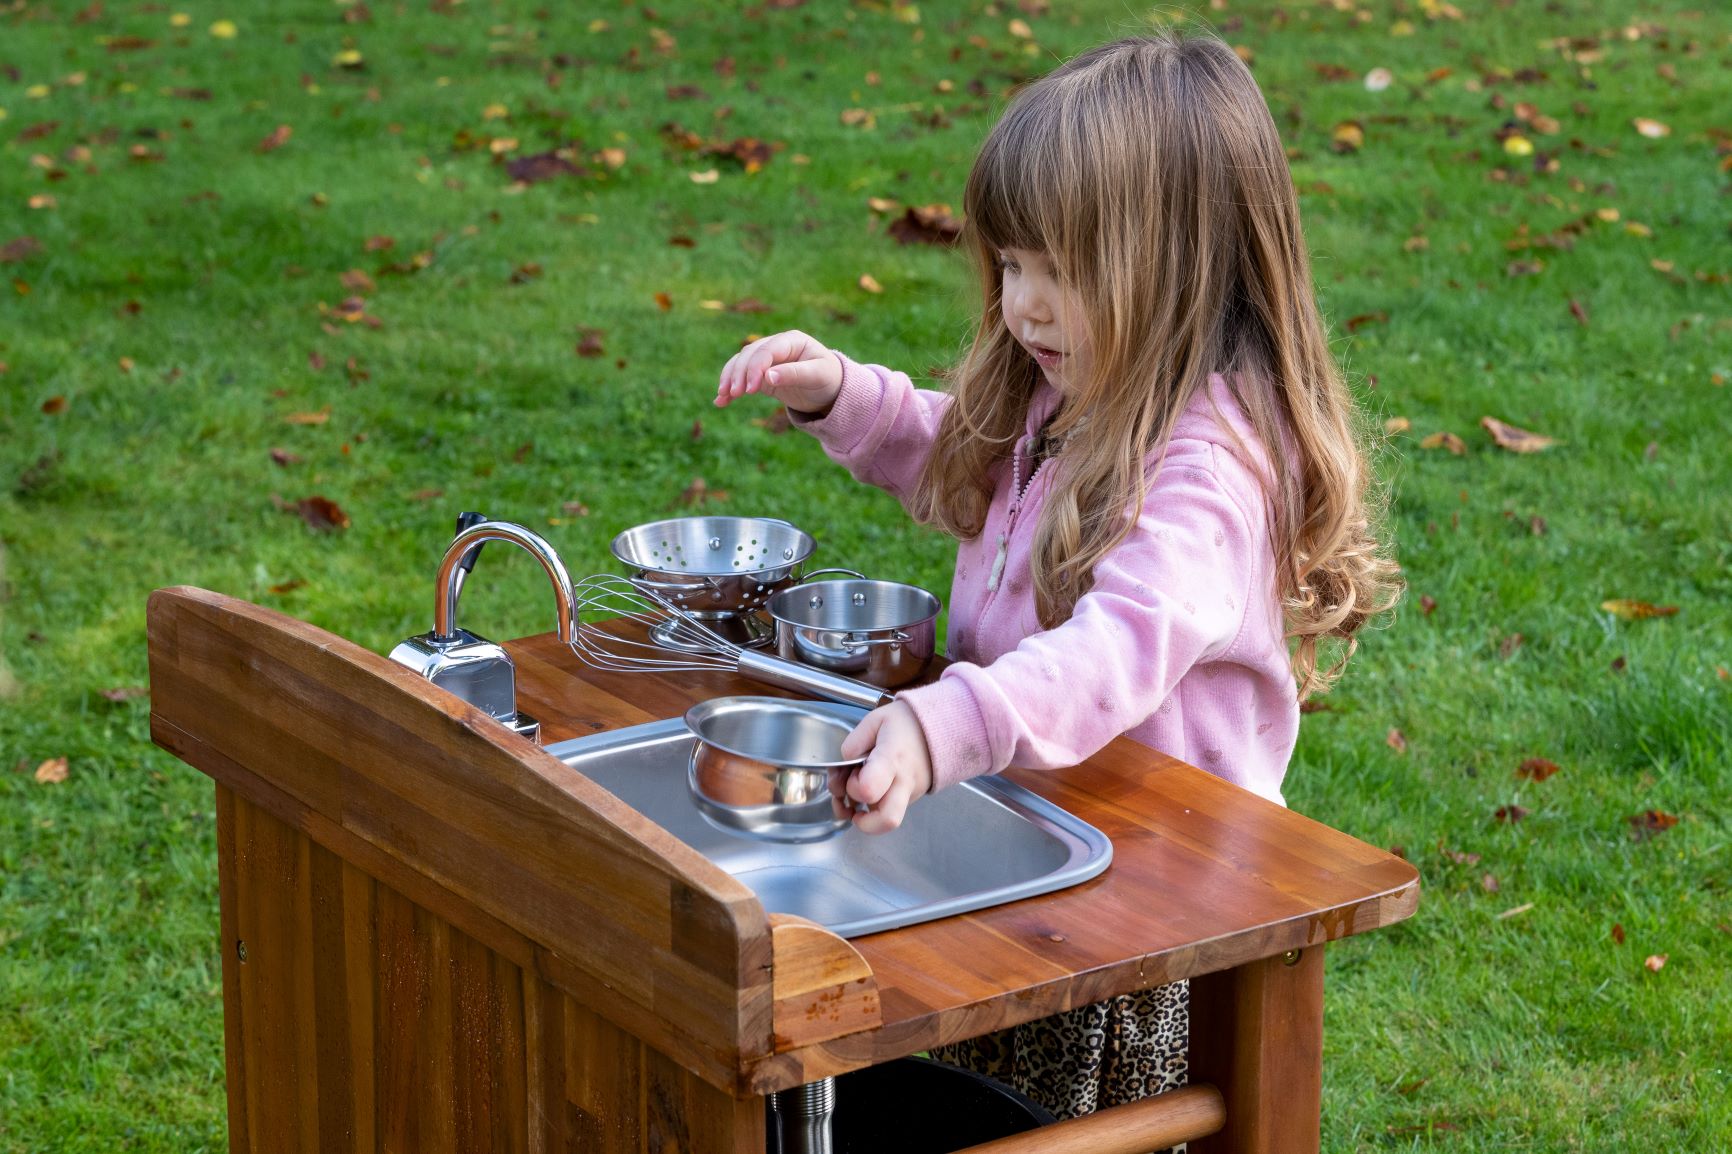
(804, 679)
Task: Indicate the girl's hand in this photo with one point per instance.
(791, 367)
(898, 767)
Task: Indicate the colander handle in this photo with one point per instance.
(804, 679)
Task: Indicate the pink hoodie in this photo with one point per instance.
(1178, 644)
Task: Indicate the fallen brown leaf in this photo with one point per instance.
(776, 423)
(279, 136)
(540, 166)
(698, 492)
(357, 281)
(589, 342)
(870, 283)
(1510, 813)
(54, 405)
(1579, 312)
(927, 224)
(288, 586)
(1618, 932)
(320, 513)
(16, 250)
(284, 457)
(1489, 883)
(1637, 610)
(317, 418)
(1459, 857)
(1396, 740)
(1514, 439)
(52, 771)
(664, 302)
(1649, 822)
(1354, 324)
(1655, 962)
(1448, 441)
(379, 243)
(1536, 769)
(1427, 604)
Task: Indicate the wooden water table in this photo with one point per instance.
(436, 936)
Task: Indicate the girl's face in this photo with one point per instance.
(1044, 315)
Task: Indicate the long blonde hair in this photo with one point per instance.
(1151, 173)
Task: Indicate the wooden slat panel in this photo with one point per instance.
(400, 968)
(334, 1033)
(359, 997)
(278, 1042)
(549, 1130)
(234, 1049)
(365, 747)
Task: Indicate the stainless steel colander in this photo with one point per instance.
(714, 566)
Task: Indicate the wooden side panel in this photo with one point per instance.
(1257, 1033)
(374, 762)
(823, 987)
(359, 1021)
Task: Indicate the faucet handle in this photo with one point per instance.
(469, 521)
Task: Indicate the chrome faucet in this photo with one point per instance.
(474, 668)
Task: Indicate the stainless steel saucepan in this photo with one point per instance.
(762, 766)
(881, 632)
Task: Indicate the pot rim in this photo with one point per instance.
(701, 712)
(850, 583)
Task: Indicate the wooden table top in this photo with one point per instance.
(1204, 876)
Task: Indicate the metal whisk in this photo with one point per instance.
(696, 647)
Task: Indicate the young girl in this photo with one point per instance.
(1149, 458)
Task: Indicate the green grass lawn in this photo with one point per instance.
(546, 353)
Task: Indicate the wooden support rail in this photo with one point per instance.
(1134, 1128)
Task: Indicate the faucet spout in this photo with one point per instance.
(448, 584)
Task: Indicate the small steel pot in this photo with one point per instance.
(762, 766)
(881, 632)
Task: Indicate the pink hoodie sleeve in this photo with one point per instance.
(880, 427)
(1172, 594)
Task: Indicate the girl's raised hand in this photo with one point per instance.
(790, 367)
(898, 768)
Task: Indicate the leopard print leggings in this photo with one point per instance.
(1082, 1060)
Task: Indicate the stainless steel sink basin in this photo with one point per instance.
(975, 845)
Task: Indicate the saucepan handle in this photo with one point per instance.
(805, 577)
